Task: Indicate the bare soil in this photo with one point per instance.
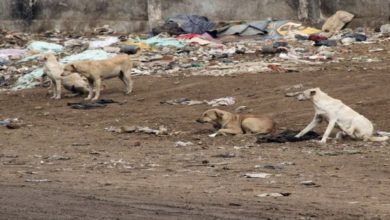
(63, 164)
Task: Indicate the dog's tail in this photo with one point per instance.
(378, 139)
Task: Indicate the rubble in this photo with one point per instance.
(189, 47)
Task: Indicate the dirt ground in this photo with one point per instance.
(63, 164)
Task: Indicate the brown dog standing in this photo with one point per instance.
(96, 71)
(229, 123)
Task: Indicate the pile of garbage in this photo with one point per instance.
(187, 44)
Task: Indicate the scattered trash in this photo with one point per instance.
(222, 101)
(87, 55)
(41, 46)
(283, 194)
(225, 155)
(158, 41)
(385, 29)
(105, 29)
(188, 44)
(59, 157)
(101, 103)
(286, 136)
(215, 102)
(246, 29)
(241, 109)
(328, 43)
(258, 175)
(192, 23)
(383, 133)
(12, 53)
(105, 42)
(37, 180)
(162, 130)
(337, 21)
(339, 152)
(376, 50)
(129, 49)
(14, 123)
(269, 166)
(309, 183)
(29, 80)
(183, 144)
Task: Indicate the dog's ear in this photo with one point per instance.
(219, 114)
(313, 92)
(73, 67)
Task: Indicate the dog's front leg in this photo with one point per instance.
(329, 129)
(54, 88)
(126, 78)
(316, 120)
(58, 89)
(225, 131)
(90, 90)
(214, 135)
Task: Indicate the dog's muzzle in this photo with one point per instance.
(200, 121)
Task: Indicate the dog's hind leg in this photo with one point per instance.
(126, 79)
(316, 120)
(329, 129)
(340, 135)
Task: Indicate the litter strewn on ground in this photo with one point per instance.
(192, 44)
(226, 101)
(162, 130)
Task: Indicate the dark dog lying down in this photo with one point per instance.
(286, 136)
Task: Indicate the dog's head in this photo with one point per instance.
(48, 56)
(69, 69)
(213, 116)
(308, 94)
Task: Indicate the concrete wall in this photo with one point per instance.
(140, 15)
(41, 15)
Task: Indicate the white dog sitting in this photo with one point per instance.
(74, 82)
(337, 113)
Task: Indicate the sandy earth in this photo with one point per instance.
(63, 164)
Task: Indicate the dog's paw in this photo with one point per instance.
(213, 135)
(321, 142)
